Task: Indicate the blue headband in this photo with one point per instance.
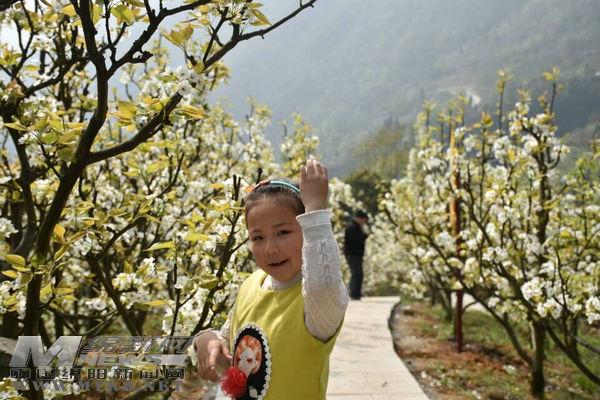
(278, 183)
(287, 185)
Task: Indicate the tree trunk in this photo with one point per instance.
(458, 320)
(10, 321)
(538, 338)
(572, 337)
(446, 301)
(433, 295)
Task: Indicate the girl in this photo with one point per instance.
(286, 317)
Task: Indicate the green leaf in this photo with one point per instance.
(161, 245)
(127, 267)
(9, 301)
(11, 273)
(68, 137)
(127, 109)
(151, 218)
(9, 57)
(155, 166)
(548, 76)
(16, 126)
(222, 207)
(145, 208)
(196, 237)
(15, 260)
(261, 17)
(187, 31)
(486, 120)
(126, 113)
(140, 306)
(208, 281)
(175, 37)
(69, 10)
(59, 231)
(56, 123)
(117, 212)
(61, 252)
(199, 67)
(88, 221)
(97, 14)
(64, 291)
(46, 290)
(179, 36)
(25, 279)
(123, 13)
(132, 173)
(193, 112)
(156, 303)
(49, 137)
(84, 206)
(76, 236)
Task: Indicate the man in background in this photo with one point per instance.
(354, 250)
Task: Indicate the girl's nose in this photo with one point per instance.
(270, 248)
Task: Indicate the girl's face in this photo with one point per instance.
(275, 239)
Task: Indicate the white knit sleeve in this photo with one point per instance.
(223, 333)
(324, 292)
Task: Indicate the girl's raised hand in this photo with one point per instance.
(314, 185)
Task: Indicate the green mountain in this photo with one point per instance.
(348, 66)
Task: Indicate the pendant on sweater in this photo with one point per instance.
(249, 376)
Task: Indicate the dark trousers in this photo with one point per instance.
(355, 262)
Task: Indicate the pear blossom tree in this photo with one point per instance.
(158, 242)
(56, 93)
(527, 250)
(118, 205)
(155, 235)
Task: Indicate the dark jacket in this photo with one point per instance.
(354, 239)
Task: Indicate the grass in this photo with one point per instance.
(489, 368)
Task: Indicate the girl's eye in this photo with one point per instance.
(280, 233)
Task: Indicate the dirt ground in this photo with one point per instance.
(440, 370)
(486, 369)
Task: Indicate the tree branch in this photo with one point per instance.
(6, 4)
(573, 357)
(139, 43)
(112, 293)
(24, 181)
(153, 126)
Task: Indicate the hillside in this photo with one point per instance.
(348, 65)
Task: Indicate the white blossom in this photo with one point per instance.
(592, 308)
(6, 228)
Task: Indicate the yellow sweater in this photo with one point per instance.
(271, 344)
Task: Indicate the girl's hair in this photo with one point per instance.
(278, 192)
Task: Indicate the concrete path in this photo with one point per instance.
(363, 363)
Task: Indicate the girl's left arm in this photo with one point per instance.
(324, 292)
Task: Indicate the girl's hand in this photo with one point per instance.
(213, 356)
(314, 185)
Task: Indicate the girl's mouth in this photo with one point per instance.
(277, 264)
